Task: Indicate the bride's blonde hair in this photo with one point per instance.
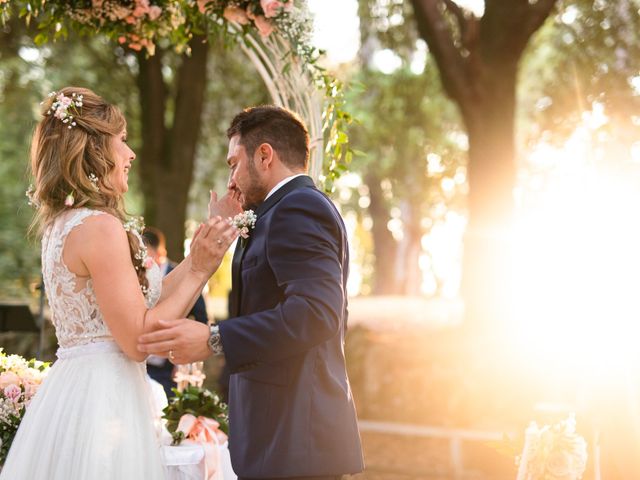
(78, 161)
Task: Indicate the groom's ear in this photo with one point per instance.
(265, 155)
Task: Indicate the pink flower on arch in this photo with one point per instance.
(236, 14)
(271, 8)
(142, 7)
(202, 5)
(264, 26)
(154, 12)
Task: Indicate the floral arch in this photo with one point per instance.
(273, 34)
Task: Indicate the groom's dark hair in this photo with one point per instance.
(279, 127)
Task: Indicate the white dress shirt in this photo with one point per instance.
(282, 183)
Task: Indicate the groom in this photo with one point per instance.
(291, 413)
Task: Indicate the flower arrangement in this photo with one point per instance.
(553, 452)
(194, 402)
(244, 222)
(141, 25)
(19, 381)
(259, 14)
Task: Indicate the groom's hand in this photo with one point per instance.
(181, 341)
(227, 207)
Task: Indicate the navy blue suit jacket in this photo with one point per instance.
(290, 404)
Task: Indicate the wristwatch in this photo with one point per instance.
(215, 342)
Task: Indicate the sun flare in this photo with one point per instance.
(576, 259)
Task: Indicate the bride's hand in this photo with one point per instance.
(209, 245)
(227, 207)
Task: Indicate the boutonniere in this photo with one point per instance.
(244, 222)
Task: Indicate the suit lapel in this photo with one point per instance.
(298, 182)
(241, 247)
(234, 298)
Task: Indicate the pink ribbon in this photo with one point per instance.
(206, 432)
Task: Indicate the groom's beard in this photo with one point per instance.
(254, 194)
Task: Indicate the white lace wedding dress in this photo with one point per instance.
(91, 419)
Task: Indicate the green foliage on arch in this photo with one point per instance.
(141, 25)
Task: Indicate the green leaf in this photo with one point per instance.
(41, 39)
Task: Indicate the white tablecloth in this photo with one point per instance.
(186, 462)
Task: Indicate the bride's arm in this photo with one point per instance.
(105, 252)
(174, 278)
(226, 207)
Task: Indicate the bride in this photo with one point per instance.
(91, 418)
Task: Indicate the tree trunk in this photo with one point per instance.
(478, 67)
(408, 270)
(491, 176)
(384, 245)
(168, 152)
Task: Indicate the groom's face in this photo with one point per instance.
(244, 176)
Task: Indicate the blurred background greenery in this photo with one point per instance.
(566, 174)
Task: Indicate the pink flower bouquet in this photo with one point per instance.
(19, 381)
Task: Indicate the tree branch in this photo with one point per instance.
(467, 22)
(457, 10)
(434, 29)
(539, 13)
(507, 26)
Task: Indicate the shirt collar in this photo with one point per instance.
(282, 183)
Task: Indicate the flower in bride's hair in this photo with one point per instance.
(148, 263)
(31, 195)
(94, 181)
(244, 222)
(60, 107)
(134, 224)
(69, 201)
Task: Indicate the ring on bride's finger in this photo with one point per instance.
(171, 357)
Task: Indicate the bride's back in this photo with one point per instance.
(74, 308)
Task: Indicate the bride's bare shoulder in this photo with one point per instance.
(96, 226)
(100, 235)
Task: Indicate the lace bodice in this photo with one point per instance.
(74, 309)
